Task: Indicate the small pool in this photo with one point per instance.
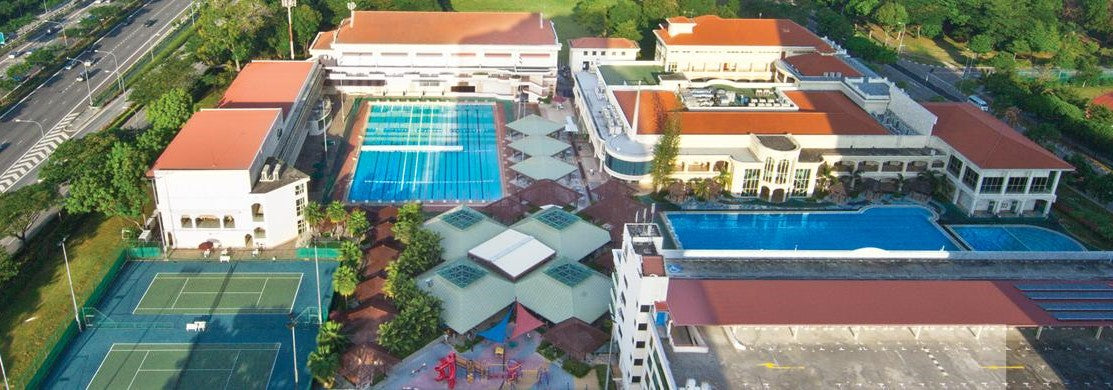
(889, 228)
(432, 152)
(1015, 238)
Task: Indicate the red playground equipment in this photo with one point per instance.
(446, 370)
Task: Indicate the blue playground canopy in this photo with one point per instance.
(497, 333)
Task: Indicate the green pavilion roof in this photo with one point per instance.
(539, 145)
(461, 229)
(534, 125)
(571, 237)
(469, 293)
(543, 167)
(565, 289)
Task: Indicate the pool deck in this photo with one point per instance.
(1050, 268)
(358, 131)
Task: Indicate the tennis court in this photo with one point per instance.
(220, 293)
(186, 366)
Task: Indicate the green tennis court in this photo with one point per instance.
(220, 293)
(186, 366)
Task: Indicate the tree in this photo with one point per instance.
(730, 9)
(350, 254)
(655, 11)
(314, 215)
(357, 224)
(113, 189)
(414, 326)
(861, 8)
(307, 22)
(20, 208)
(171, 109)
(409, 219)
(44, 56)
(9, 268)
(627, 29)
(226, 29)
(592, 15)
(344, 281)
(19, 70)
(323, 364)
(696, 7)
(981, 44)
(665, 151)
(329, 335)
(76, 157)
(890, 15)
(336, 214)
(176, 71)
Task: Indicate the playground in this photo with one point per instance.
(198, 325)
(488, 365)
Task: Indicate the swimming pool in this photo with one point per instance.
(432, 152)
(1014, 238)
(890, 228)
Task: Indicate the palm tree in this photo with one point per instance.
(323, 365)
(344, 282)
(350, 254)
(329, 335)
(314, 215)
(336, 214)
(725, 177)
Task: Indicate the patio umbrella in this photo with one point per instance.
(207, 245)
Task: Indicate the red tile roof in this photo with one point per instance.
(711, 30)
(268, 84)
(987, 141)
(818, 64)
(323, 41)
(1105, 100)
(602, 43)
(824, 112)
(854, 302)
(447, 28)
(220, 139)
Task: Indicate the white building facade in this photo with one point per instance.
(504, 55)
(584, 53)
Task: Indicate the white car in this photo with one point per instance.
(80, 78)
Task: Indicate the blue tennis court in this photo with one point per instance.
(430, 152)
(1014, 238)
(135, 338)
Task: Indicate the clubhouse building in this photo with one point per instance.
(508, 55)
(780, 110)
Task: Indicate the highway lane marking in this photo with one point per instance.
(1014, 367)
(775, 366)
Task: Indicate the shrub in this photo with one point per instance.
(576, 367)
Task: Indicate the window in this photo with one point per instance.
(623, 167)
(257, 212)
(782, 172)
(299, 189)
(585, 52)
(750, 179)
(800, 182)
(594, 52)
(639, 345)
(1017, 185)
(970, 178)
(643, 326)
(638, 362)
(301, 226)
(1042, 185)
(992, 185)
(954, 166)
(636, 379)
(187, 222)
(644, 308)
(429, 83)
(229, 222)
(768, 174)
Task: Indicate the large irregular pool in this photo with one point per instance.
(889, 228)
(1014, 238)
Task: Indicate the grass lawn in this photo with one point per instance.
(630, 75)
(1090, 92)
(559, 11)
(37, 303)
(1079, 216)
(937, 52)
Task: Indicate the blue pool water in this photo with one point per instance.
(890, 228)
(1014, 238)
(429, 153)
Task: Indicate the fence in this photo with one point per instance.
(61, 339)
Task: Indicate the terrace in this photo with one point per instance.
(631, 74)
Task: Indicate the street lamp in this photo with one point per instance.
(294, 342)
(40, 125)
(62, 27)
(119, 82)
(5, 373)
(88, 89)
(317, 273)
(73, 297)
(290, 4)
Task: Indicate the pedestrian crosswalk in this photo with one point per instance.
(39, 151)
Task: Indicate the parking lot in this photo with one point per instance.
(879, 358)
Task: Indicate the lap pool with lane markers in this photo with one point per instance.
(432, 152)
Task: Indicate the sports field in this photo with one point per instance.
(186, 366)
(220, 293)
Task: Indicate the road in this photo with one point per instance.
(39, 38)
(61, 104)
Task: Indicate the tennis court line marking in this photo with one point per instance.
(176, 297)
(296, 291)
(266, 276)
(191, 347)
(138, 369)
(235, 361)
(260, 298)
(100, 366)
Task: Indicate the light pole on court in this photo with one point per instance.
(317, 273)
(119, 82)
(294, 343)
(88, 88)
(290, 4)
(73, 297)
(40, 125)
(5, 373)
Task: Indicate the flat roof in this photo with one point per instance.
(446, 28)
(859, 302)
(602, 43)
(820, 113)
(711, 30)
(268, 84)
(219, 139)
(819, 64)
(987, 141)
(512, 252)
